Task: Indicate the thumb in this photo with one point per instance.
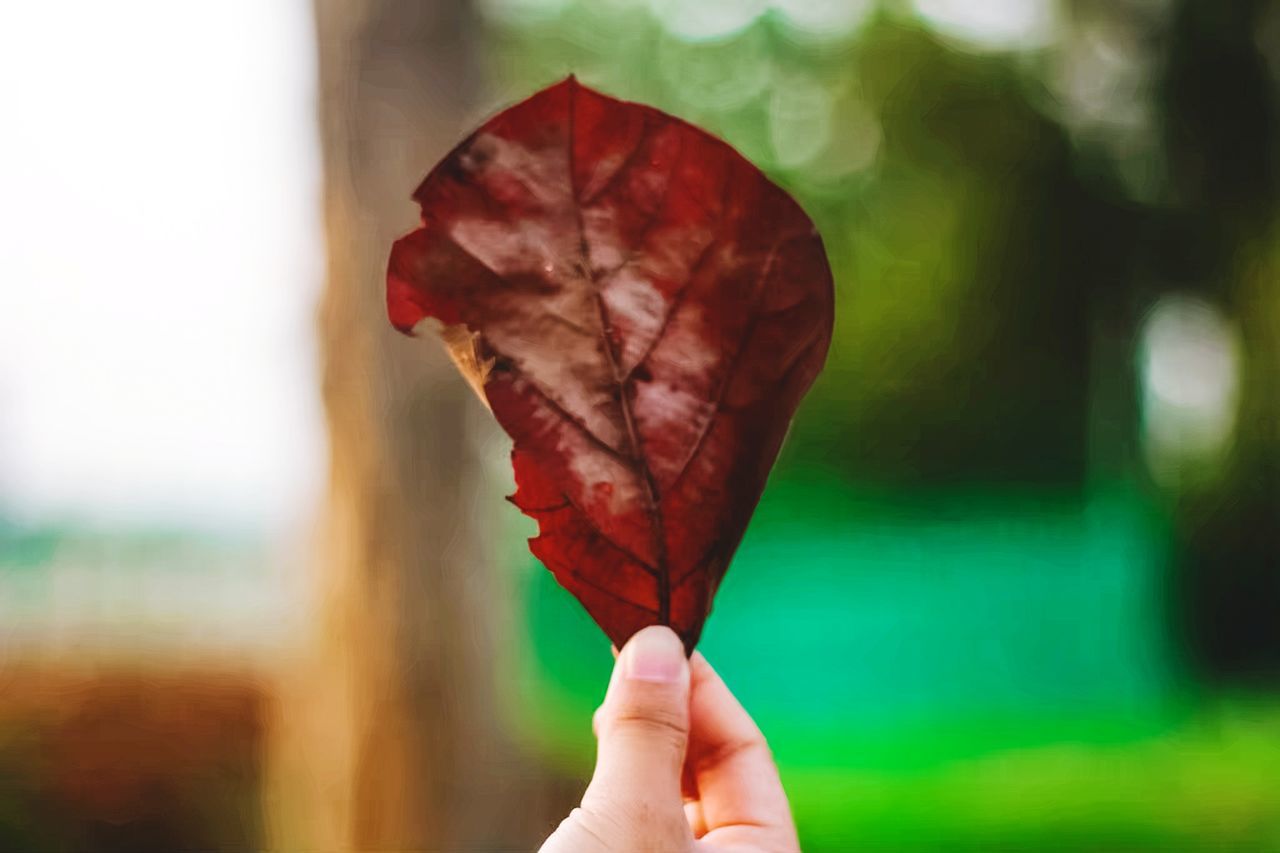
(643, 728)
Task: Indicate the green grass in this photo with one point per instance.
(1212, 783)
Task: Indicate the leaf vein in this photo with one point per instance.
(510, 366)
(735, 362)
(598, 587)
(609, 540)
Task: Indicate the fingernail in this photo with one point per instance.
(654, 654)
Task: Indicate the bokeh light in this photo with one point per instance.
(994, 24)
(826, 20)
(718, 76)
(707, 19)
(1190, 365)
(800, 119)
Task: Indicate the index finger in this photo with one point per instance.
(731, 764)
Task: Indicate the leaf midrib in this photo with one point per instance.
(622, 381)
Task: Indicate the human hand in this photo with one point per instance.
(680, 765)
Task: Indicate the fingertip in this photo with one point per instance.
(654, 654)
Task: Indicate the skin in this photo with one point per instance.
(680, 765)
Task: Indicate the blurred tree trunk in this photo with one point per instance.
(390, 734)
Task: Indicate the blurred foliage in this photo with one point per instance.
(894, 144)
(1042, 539)
(1001, 218)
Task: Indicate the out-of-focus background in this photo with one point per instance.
(1015, 582)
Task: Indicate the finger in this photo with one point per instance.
(736, 778)
(643, 730)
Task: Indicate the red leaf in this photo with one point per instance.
(644, 310)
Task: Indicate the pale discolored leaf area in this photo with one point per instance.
(644, 311)
(464, 348)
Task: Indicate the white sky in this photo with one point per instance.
(160, 256)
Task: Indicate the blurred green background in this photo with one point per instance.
(1015, 581)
